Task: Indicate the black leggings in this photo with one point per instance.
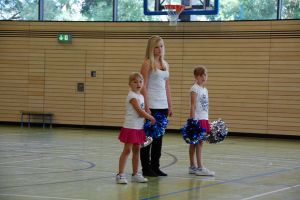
(151, 154)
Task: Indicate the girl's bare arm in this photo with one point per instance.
(140, 111)
(193, 104)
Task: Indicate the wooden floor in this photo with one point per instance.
(66, 163)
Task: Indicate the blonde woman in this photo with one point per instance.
(156, 91)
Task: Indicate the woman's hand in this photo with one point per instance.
(170, 112)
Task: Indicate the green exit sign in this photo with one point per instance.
(64, 37)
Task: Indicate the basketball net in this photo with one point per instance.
(173, 13)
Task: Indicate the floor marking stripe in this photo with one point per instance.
(271, 192)
(19, 161)
(223, 182)
(44, 197)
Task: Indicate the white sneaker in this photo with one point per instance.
(204, 172)
(139, 178)
(148, 141)
(121, 179)
(192, 170)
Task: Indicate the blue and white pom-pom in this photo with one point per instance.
(219, 131)
(192, 133)
(158, 129)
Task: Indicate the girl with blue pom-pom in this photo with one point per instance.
(132, 133)
(199, 111)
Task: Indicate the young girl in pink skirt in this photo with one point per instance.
(132, 133)
(199, 111)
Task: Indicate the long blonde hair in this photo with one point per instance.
(152, 43)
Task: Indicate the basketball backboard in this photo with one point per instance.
(192, 7)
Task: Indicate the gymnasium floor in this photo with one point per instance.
(80, 164)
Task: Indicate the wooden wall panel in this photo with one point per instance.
(233, 81)
(120, 59)
(253, 71)
(61, 92)
(94, 86)
(36, 80)
(174, 57)
(284, 85)
(14, 65)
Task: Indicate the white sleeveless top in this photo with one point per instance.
(132, 118)
(157, 96)
(201, 112)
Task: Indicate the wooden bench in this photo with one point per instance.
(46, 116)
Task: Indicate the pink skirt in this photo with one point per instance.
(205, 124)
(133, 136)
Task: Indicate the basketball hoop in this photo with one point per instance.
(173, 13)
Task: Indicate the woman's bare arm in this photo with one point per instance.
(169, 99)
(145, 71)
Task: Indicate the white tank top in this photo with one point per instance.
(157, 96)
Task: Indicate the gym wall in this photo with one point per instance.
(253, 71)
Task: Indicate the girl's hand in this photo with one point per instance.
(153, 121)
(148, 110)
